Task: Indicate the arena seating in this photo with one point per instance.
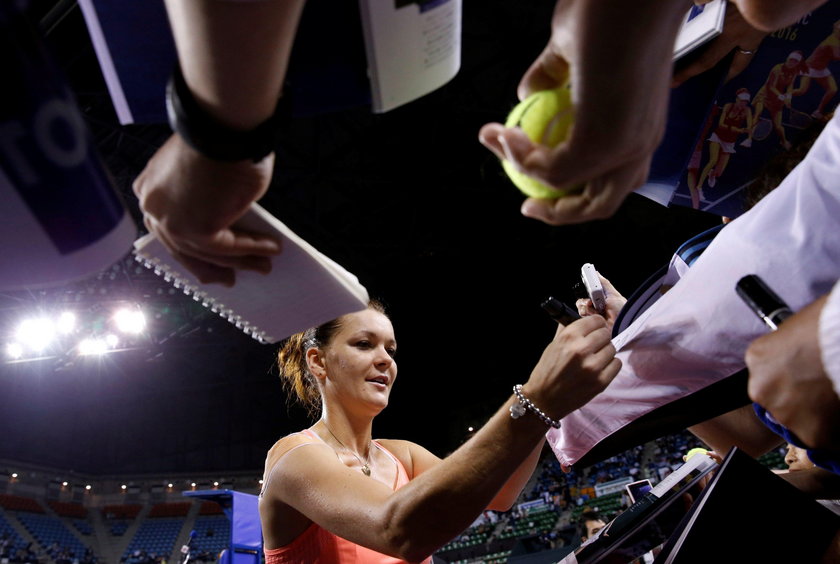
(212, 534)
(156, 536)
(10, 539)
(119, 517)
(51, 533)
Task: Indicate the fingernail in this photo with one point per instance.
(528, 208)
(505, 147)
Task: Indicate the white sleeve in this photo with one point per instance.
(829, 335)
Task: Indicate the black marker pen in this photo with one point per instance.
(768, 306)
(559, 311)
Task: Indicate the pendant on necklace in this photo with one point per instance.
(366, 470)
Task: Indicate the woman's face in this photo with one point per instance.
(359, 361)
(797, 458)
(791, 62)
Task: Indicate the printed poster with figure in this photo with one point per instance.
(713, 152)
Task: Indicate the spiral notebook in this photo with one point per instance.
(305, 288)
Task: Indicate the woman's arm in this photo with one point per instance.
(419, 460)
(445, 499)
(510, 492)
(749, 126)
(740, 427)
(816, 482)
(724, 113)
(773, 82)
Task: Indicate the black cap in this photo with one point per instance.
(762, 300)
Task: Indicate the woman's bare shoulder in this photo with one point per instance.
(398, 447)
(286, 444)
(415, 458)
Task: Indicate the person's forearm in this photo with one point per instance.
(634, 40)
(441, 502)
(816, 482)
(774, 90)
(513, 487)
(437, 505)
(741, 428)
(234, 55)
(829, 336)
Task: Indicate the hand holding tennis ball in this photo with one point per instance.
(545, 117)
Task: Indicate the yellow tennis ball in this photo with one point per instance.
(694, 451)
(545, 117)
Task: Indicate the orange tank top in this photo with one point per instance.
(319, 546)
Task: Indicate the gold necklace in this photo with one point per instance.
(365, 465)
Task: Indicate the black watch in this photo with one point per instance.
(205, 134)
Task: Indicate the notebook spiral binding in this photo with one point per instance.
(173, 277)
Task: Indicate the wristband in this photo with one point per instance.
(524, 405)
(205, 134)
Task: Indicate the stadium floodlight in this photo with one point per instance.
(14, 350)
(66, 322)
(130, 320)
(111, 340)
(35, 334)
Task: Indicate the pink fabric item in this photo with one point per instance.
(697, 333)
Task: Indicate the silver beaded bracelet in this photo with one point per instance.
(517, 410)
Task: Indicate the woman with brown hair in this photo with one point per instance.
(332, 494)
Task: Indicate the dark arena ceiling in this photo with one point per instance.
(408, 200)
